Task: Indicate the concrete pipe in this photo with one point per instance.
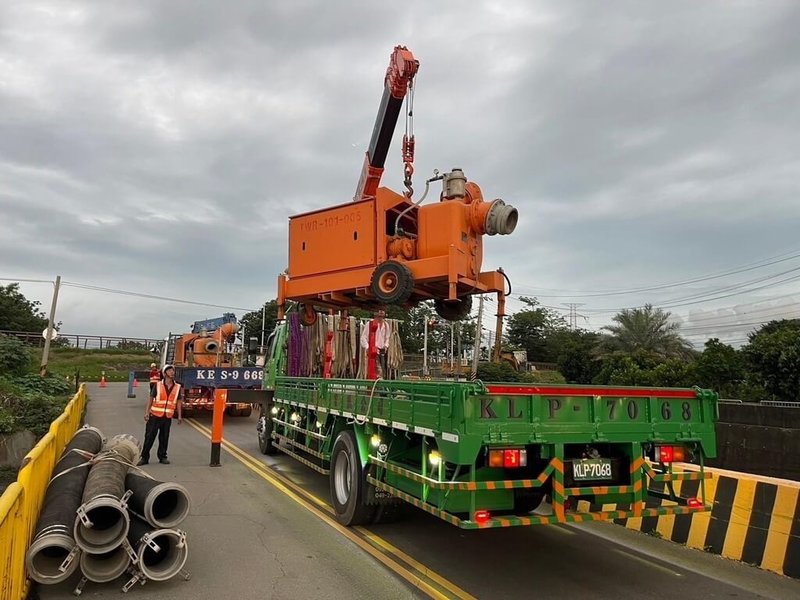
(102, 520)
(160, 553)
(161, 504)
(53, 556)
(105, 567)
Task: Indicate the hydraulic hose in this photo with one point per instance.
(102, 520)
(161, 504)
(52, 556)
(160, 553)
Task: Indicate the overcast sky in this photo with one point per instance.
(159, 147)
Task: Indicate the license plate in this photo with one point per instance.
(591, 469)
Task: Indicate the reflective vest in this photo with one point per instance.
(164, 405)
(155, 376)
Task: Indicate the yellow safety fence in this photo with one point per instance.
(21, 502)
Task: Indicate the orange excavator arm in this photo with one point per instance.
(399, 79)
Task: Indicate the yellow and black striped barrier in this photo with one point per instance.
(754, 519)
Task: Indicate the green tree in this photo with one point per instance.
(251, 322)
(646, 331)
(17, 313)
(575, 354)
(720, 367)
(533, 329)
(772, 359)
(14, 356)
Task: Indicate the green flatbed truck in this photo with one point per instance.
(482, 455)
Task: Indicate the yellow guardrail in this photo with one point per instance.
(21, 502)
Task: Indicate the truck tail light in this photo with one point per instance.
(668, 454)
(508, 458)
(694, 503)
(482, 516)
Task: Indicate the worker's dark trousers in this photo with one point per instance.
(156, 426)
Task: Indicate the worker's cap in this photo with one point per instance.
(167, 368)
(152, 365)
(380, 313)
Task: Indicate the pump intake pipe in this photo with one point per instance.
(160, 553)
(52, 557)
(102, 520)
(161, 504)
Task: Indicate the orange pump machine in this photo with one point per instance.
(206, 349)
(385, 248)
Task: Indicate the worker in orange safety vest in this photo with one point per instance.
(165, 401)
(155, 377)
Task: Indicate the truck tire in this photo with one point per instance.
(246, 411)
(348, 483)
(264, 429)
(453, 311)
(392, 282)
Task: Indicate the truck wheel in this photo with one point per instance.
(348, 483)
(453, 311)
(264, 429)
(246, 411)
(392, 282)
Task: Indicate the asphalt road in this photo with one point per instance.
(595, 560)
(261, 528)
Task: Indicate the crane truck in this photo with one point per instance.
(475, 454)
(203, 365)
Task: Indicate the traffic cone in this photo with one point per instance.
(103, 379)
(135, 382)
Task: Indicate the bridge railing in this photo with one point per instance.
(21, 502)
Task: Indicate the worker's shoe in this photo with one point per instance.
(163, 461)
(142, 462)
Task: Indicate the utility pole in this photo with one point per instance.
(477, 347)
(458, 373)
(263, 325)
(425, 348)
(50, 332)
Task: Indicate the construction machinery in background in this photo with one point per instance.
(206, 360)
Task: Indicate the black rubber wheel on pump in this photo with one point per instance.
(264, 429)
(453, 311)
(308, 316)
(392, 282)
(348, 483)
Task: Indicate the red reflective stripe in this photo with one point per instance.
(535, 390)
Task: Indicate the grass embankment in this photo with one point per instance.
(91, 363)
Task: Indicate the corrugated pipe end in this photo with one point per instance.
(102, 568)
(52, 557)
(167, 505)
(102, 524)
(162, 553)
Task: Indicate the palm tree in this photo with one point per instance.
(645, 331)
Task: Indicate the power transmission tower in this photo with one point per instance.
(573, 314)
